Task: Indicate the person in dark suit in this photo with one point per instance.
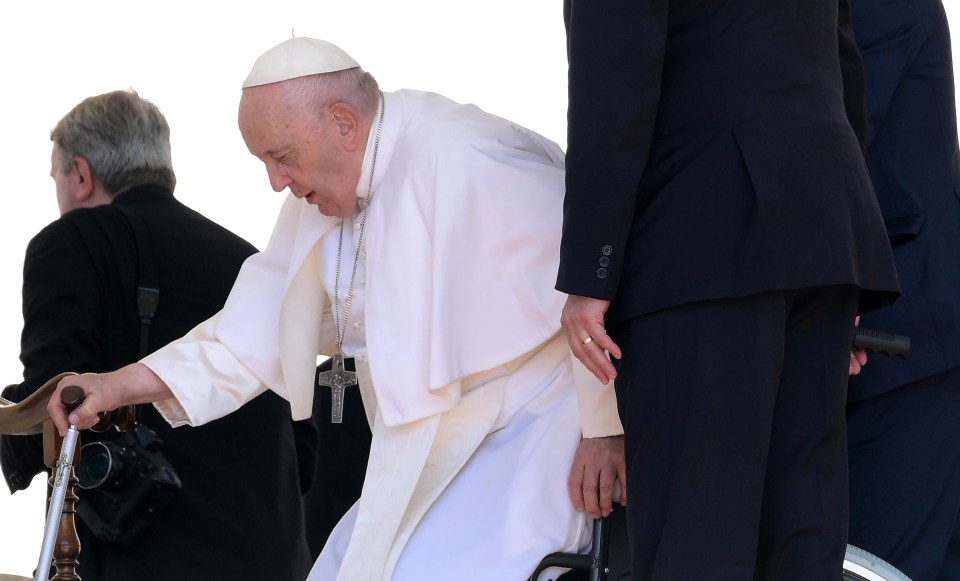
(902, 414)
(238, 514)
(720, 235)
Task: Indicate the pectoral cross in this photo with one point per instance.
(337, 379)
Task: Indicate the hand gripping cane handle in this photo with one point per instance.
(71, 396)
(121, 418)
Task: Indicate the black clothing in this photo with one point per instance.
(238, 515)
(914, 163)
(712, 165)
(716, 490)
(710, 154)
(904, 453)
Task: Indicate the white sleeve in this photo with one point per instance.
(206, 379)
(598, 404)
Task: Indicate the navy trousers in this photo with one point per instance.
(734, 414)
(905, 476)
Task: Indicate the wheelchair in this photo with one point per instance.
(609, 558)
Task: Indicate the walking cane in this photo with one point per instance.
(71, 396)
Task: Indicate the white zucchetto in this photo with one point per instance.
(298, 57)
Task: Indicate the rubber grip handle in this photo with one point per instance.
(881, 342)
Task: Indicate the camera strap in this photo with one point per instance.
(148, 288)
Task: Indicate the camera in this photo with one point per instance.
(126, 481)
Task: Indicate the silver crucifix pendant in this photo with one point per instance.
(337, 379)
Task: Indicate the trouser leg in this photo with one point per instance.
(905, 476)
(698, 391)
(951, 564)
(803, 525)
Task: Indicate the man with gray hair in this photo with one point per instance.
(431, 263)
(121, 229)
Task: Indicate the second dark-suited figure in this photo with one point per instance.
(238, 515)
(903, 414)
(720, 226)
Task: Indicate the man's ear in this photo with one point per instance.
(84, 186)
(348, 123)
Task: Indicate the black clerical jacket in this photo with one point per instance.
(238, 515)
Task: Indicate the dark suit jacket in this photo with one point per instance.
(710, 154)
(914, 163)
(238, 515)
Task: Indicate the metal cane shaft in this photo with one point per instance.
(62, 477)
(71, 397)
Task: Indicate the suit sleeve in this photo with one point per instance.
(61, 332)
(891, 48)
(615, 53)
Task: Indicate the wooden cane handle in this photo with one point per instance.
(72, 396)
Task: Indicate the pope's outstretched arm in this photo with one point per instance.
(132, 384)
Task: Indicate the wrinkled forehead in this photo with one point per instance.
(258, 102)
(261, 108)
(270, 123)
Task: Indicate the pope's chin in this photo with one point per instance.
(327, 209)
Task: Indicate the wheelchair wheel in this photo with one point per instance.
(609, 560)
(859, 565)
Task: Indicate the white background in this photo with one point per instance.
(507, 56)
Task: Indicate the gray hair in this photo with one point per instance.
(354, 87)
(124, 138)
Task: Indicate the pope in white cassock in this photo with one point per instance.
(431, 262)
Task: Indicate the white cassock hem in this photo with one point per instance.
(507, 507)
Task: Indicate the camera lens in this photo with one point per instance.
(99, 465)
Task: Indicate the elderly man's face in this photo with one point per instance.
(315, 155)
